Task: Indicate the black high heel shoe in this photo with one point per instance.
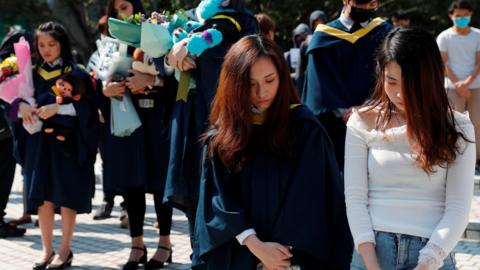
(43, 265)
(133, 265)
(64, 265)
(153, 264)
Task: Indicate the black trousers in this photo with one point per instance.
(7, 173)
(337, 131)
(136, 207)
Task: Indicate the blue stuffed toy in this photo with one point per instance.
(191, 25)
(209, 8)
(198, 43)
(156, 43)
(179, 34)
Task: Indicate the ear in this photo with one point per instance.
(77, 97)
(225, 3)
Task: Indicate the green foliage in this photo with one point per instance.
(430, 14)
(135, 18)
(21, 14)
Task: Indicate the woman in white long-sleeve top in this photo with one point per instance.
(409, 162)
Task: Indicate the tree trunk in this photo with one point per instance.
(74, 18)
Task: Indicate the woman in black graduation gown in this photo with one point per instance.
(271, 193)
(191, 109)
(59, 176)
(137, 164)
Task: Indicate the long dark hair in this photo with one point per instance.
(429, 116)
(137, 7)
(232, 114)
(57, 32)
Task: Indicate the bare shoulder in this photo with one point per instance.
(364, 118)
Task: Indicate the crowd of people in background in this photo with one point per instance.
(354, 149)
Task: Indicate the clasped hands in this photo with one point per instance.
(28, 112)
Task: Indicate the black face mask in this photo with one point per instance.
(361, 15)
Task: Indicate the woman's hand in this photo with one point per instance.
(462, 89)
(47, 111)
(274, 256)
(139, 81)
(178, 57)
(27, 111)
(114, 89)
(369, 256)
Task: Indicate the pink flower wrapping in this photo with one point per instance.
(21, 85)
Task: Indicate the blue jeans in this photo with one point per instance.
(398, 252)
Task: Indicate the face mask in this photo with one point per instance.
(361, 15)
(461, 22)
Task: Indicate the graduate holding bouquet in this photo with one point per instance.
(16, 80)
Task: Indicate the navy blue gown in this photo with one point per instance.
(61, 124)
(296, 201)
(155, 119)
(65, 178)
(190, 114)
(340, 73)
(139, 160)
(123, 157)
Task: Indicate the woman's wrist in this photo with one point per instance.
(369, 256)
(252, 242)
(469, 80)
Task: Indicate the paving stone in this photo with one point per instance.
(104, 245)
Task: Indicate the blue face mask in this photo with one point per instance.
(461, 22)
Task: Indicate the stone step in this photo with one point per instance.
(473, 228)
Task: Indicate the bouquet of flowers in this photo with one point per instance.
(157, 31)
(17, 79)
(8, 68)
(112, 59)
(152, 35)
(127, 30)
(19, 84)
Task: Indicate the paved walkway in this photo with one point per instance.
(104, 245)
(96, 244)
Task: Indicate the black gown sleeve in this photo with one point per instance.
(221, 214)
(87, 124)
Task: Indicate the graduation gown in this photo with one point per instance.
(191, 111)
(340, 71)
(123, 157)
(294, 201)
(50, 173)
(141, 159)
(154, 110)
(62, 121)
